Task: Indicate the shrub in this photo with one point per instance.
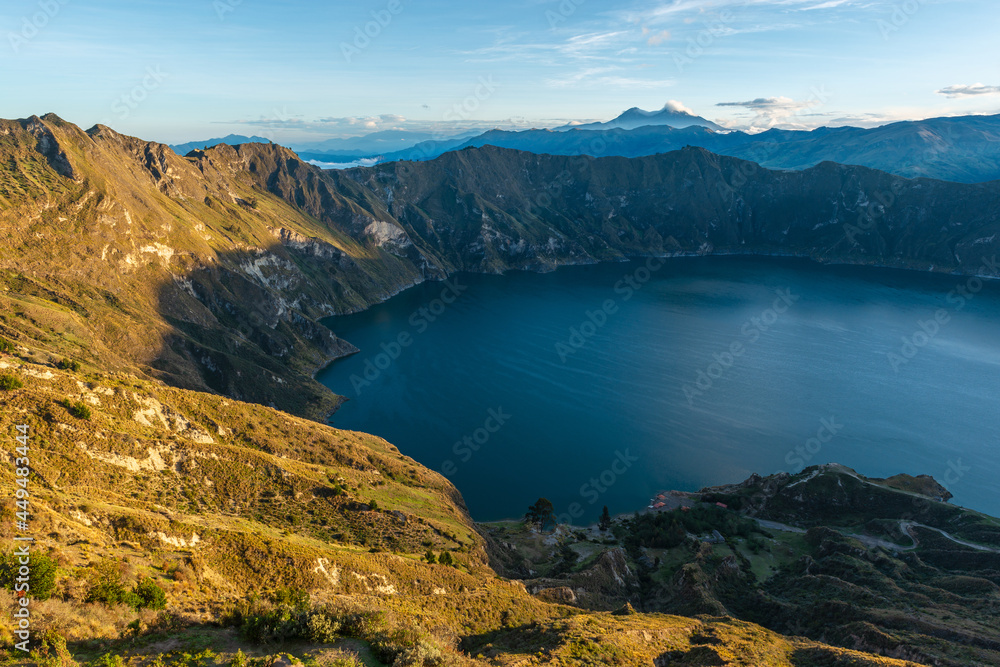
(68, 365)
(9, 382)
(108, 587)
(79, 410)
(50, 650)
(149, 594)
(108, 660)
(6, 347)
(420, 654)
(322, 627)
(107, 582)
(42, 577)
(338, 658)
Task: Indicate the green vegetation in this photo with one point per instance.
(108, 587)
(542, 514)
(41, 578)
(166, 514)
(78, 409)
(10, 382)
(605, 521)
(68, 365)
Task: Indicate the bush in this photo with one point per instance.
(108, 660)
(42, 578)
(50, 650)
(9, 382)
(323, 627)
(150, 595)
(338, 658)
(420, 654)
(6, 347)
(68, 365)
(79, 410)
(108, 587)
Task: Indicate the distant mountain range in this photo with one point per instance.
(636, 117)
(964, 149)
(231, 139)
(376, 143)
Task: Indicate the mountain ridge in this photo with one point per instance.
(158, 325)
(222, 228)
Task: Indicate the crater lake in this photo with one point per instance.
(603, 384)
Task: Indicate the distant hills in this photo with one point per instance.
(635, 117)
(376, 143)
(231, 139)
(965, 149)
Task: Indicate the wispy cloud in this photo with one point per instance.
(604, 77)
(770, 112)
(968, 90)
(353, 126)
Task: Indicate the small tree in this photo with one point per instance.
(107, 583)
(541, 514)
(446, 559)
(149, 594)
(605, 522)
(430, 557)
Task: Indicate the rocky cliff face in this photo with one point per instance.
(213, 269)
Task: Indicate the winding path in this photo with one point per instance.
(904, 527)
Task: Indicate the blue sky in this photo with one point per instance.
(294, 71)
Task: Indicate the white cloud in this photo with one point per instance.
(770, 112)
(968, 90)
(674, 105)
(602, 77)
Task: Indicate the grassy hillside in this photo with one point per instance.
(260, 522)
(158, 331)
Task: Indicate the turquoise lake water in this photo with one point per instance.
(601, 385)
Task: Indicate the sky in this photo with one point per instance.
(300, 71)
